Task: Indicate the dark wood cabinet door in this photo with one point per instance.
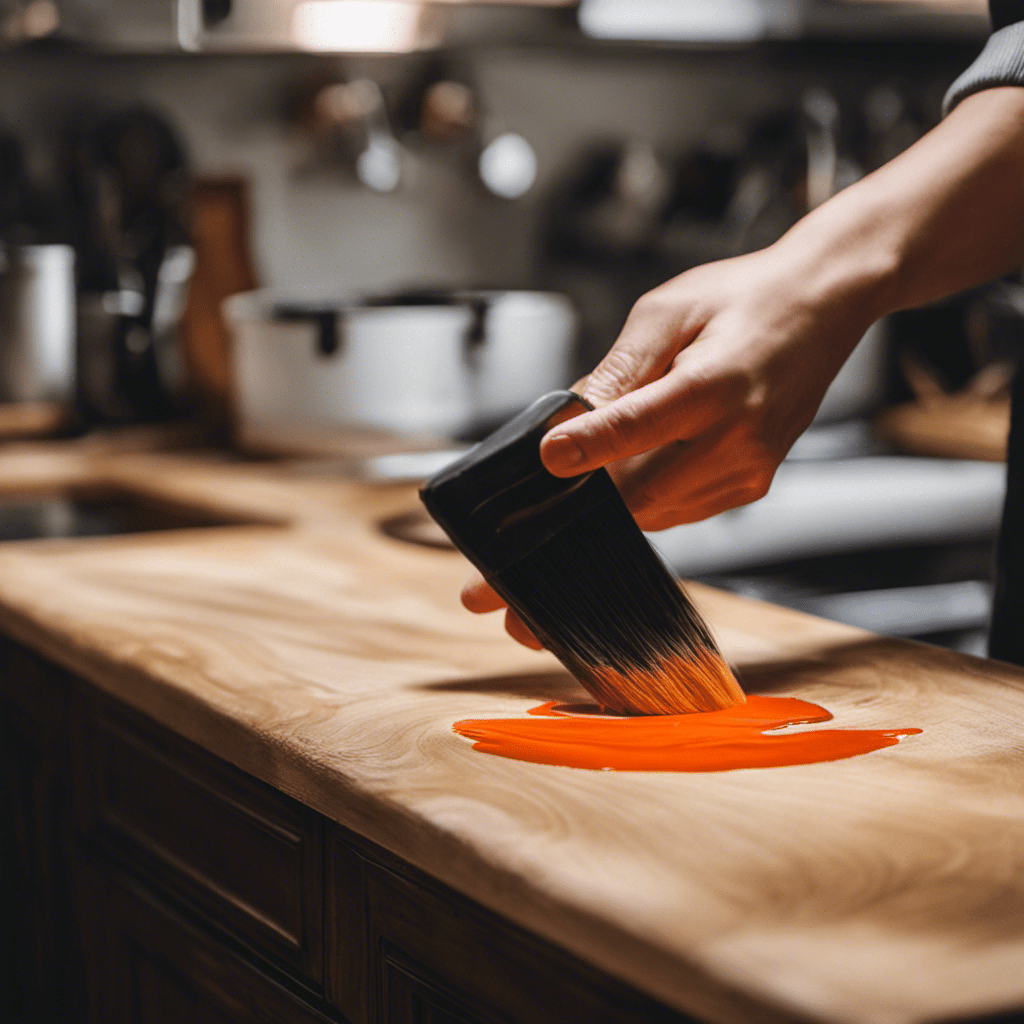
(148, 965)
(410, 995)
(244, 856)
(438, 958)
(348, 971)
(37, 970)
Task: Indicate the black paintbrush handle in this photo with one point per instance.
(498, 502)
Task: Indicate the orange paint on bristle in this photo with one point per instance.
(680, 685)
(744, 736)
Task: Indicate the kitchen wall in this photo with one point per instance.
(313, 225)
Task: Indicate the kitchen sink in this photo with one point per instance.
(97, 512)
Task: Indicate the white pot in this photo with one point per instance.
(411, 368)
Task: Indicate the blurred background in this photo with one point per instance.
(351, 236)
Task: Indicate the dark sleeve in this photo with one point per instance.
(1005, 12)
(1002, 60)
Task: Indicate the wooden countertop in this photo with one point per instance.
(330, 661)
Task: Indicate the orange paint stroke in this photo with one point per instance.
(581, 736)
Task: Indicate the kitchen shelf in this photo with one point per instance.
(553, 26)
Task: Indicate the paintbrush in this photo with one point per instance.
(569, 559)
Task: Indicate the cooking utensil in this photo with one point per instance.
(131, 180)
(220, 224)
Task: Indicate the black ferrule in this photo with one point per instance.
(498, 503)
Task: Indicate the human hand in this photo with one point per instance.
(479, 597)
(714, 376)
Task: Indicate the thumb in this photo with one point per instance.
(623, 387)
(660, 324)
(626, 426)
(676, 407)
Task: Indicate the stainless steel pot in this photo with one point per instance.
(37, 323)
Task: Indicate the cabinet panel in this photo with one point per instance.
(37, 969)
(151, 967)
(438, 958)
(347, 962)
(247, 858)
(411, 996)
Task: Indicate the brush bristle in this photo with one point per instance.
(678, 686)
(599, 597)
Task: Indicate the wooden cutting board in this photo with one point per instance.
(953, 427)
(331, 660)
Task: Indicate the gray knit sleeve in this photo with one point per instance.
(1000, 63)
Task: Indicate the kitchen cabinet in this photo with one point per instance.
(149, 882)
(438, 958)
(35, 894)
(245, 857)
(148, 965)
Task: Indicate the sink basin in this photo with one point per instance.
(96, 512)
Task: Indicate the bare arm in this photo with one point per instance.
(718, 371)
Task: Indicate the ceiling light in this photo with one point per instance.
(695, 20)
(359, 26)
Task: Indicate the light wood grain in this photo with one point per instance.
(331, 660)
(32, 419)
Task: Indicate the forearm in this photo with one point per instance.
(946, 214)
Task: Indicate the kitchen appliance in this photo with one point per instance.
(37, 323)
(131, 362)
(127, 183)
(435, 362)
(829, 506)
(895, 544)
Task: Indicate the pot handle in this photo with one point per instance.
(476, 332)
(326, 322)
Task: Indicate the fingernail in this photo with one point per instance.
(562, 452)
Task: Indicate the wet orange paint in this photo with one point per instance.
(744, 736)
